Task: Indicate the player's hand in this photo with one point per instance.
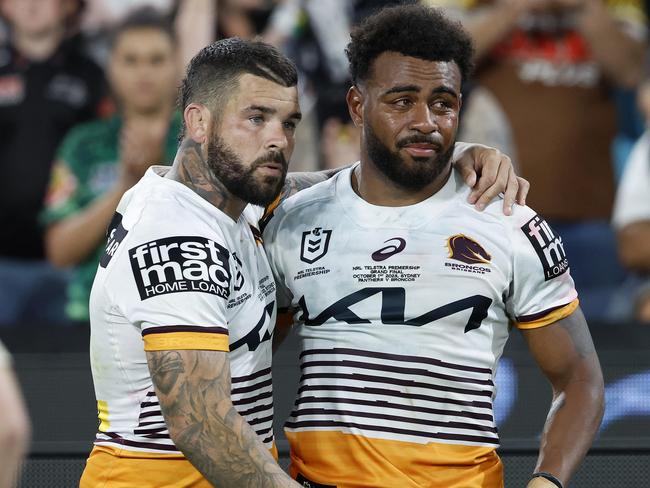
(495, 175)
(539, 482)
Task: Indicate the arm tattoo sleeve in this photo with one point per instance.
(299, 181)
(193, 388)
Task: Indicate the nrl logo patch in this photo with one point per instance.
(314, 245)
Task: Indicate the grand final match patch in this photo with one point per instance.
(548, 246)
(179, 264)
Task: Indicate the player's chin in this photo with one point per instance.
(271, 185)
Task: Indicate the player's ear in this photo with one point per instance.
(197, 118)
(355, 105)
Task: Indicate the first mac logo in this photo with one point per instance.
(178, 264)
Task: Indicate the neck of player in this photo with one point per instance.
(191, 169)
(371, 184)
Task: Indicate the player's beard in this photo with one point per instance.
(239, 179)
(412, 176)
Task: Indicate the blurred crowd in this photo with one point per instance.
(87, 104)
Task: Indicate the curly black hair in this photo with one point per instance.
(212, 74)
(411, 30)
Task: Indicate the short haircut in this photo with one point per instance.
(213, 73)
(143, 18)
(411, 30)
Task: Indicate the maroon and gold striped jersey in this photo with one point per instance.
(402, 315)
(178, 274)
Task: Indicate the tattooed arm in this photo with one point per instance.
(567, 357)
(488, 171)
(299, 181)
(193, 388)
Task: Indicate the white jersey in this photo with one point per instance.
(178, 274)
(403, 314)
(632, 203)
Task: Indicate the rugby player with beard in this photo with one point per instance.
(404, 295)
(182, 308)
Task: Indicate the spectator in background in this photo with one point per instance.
(194, 23)
(632, 215)
(549, 66)
(47, 85)
(14, 424)
(100, 160)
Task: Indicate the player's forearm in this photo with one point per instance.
(195, 25)
(633, 248)
(72, 240)
(14, 429)
(229, 453)
(572, 423)
(619, 54)
(490, 26)
(296, 182)
(194, 395)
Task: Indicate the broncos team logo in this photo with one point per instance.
(467, 250)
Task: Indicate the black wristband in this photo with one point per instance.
(550, 477)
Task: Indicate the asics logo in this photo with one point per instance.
(390, 250)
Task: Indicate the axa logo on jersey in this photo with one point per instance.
(547, 245)
(180, 264)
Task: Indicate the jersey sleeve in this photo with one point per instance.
(274, 252)
(175, 285)
(541, 290)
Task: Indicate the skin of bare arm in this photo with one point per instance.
(70, 241)
(634, 255)
(491, 24)
(618, 53)
(566, 355)
(14, 428)
(193, 388)
(195, 27)
(493, 170)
